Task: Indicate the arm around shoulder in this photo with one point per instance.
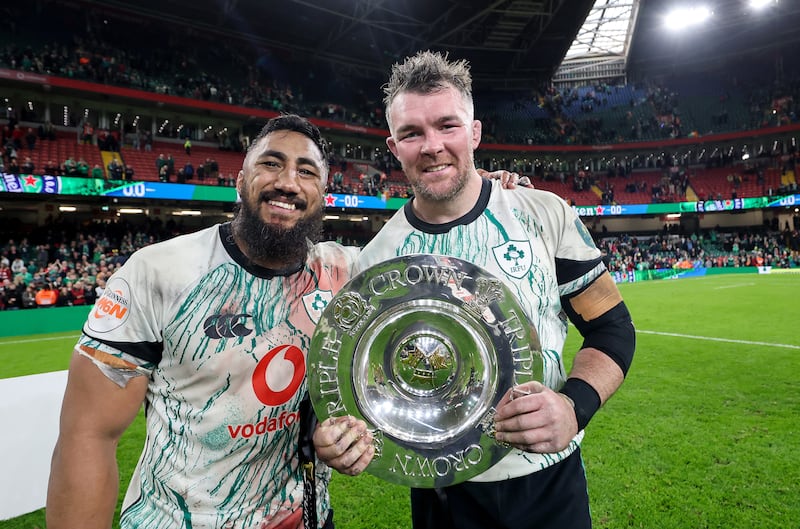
(84, 479)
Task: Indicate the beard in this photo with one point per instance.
(267, 242)
(442, 194)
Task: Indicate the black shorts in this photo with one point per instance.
(329, 520)
(553, 498)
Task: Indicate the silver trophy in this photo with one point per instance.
(422, 348)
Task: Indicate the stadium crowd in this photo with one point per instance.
(598, 113)
(710, 249)
(63, 264)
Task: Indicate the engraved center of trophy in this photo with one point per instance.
(424, 364)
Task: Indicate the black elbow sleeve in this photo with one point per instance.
(612, 333)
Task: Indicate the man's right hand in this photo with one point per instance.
(345, 444)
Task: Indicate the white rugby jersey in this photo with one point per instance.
(531, 240)
(223, 343)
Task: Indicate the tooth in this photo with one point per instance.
(282, 205)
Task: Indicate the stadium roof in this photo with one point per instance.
(607, 29)
(510, 43)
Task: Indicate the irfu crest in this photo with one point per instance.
(514, 258)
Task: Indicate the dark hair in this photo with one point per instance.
(294, 123)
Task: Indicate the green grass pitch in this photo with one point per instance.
(703, 434)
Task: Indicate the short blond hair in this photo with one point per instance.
(427, 72)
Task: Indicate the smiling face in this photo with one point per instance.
(283, 178)
(281, 186)
(434, 137)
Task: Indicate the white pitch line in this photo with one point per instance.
(712, 339)
(735, 286)
(33, 340)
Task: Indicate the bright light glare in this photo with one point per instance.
(761, 4)
(685, 17)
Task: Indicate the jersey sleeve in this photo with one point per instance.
(123, 329)
(578, 261)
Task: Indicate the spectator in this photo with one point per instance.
(52, 168)
(10, 293)
(47, 131)
(28, 167)
(17, 267)
(70, 167)
(188, 171)
(5, 271)
(214, 166)
(170, 167)
(87, 133)
(161, 161)
(115, 169)
(64, 297)
(30, 139)
(47, 296)
(82, 167)
(17, 135)
(78, 293)
(100, 287)
(28, 298)
(97, 172)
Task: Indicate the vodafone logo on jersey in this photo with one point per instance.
(276, 379)
(112, 308)
(279, 374)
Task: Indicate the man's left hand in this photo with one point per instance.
(534, 418)
(508, 179)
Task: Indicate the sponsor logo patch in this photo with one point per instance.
(264, 426)
(279, 374)
(113, 308)
(226, 326)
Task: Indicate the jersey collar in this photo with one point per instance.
(226, 236)
(470, 216)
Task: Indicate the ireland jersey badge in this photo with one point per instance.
(514, 257)
(315, 302)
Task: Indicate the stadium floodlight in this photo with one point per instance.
(69, 209)
(682, 18)
(761, 4)
(130, 211)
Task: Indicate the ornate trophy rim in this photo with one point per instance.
(422, 348)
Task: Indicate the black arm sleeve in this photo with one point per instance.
(612, 333)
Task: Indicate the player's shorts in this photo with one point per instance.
(553, 498)
(329, 520)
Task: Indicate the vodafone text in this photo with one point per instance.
(265, 425)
